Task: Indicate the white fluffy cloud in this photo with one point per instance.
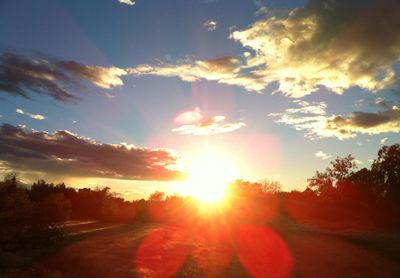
(194, 123)
(30, 115)
(337, 44)
(189, 117)
(322, 155)
(127, 2)
(211, 25)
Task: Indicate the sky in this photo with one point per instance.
(129, 94)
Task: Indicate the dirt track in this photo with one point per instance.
(158, 251)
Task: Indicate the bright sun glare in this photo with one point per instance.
(209, 177)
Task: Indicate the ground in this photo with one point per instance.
(282, 249)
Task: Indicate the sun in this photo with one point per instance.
(209, 175)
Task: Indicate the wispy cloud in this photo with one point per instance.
(322, 155)
(65, 153)
(30, 115)
(307, 117)
(224, 70)
(312, 119)
(211, 25)
(194, 123)
(127, 2)
(23, 76)
(262, 9)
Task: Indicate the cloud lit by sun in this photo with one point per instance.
(195, 123)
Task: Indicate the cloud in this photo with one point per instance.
(195, 123)
(99, 76)
(358, 162)
(337, 44)
(308, 117)
(30, 115)
(64, 153)
(224, 70)
(322, 155)
(383, 140)
(312, 119)
(189, 117)
(127, 2)
(208, 126)
(211, 25)
(262, 9)
(365, 122)
(23, 76)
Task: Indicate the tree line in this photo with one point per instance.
(341, 195)
(346, 197)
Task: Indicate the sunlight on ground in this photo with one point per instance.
(209, 177)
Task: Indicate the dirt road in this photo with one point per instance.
(149, 250)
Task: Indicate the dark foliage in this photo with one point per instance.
(339, 197)
(342, 196)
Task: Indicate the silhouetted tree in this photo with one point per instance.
(15, 212)
(269, 186)
(10, 181)
(323, 183)
(386, 171)
(54, 209)
(157, 196)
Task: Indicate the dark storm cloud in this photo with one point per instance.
(23, 76)
(68, 154)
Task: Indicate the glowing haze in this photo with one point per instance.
(179, 97)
